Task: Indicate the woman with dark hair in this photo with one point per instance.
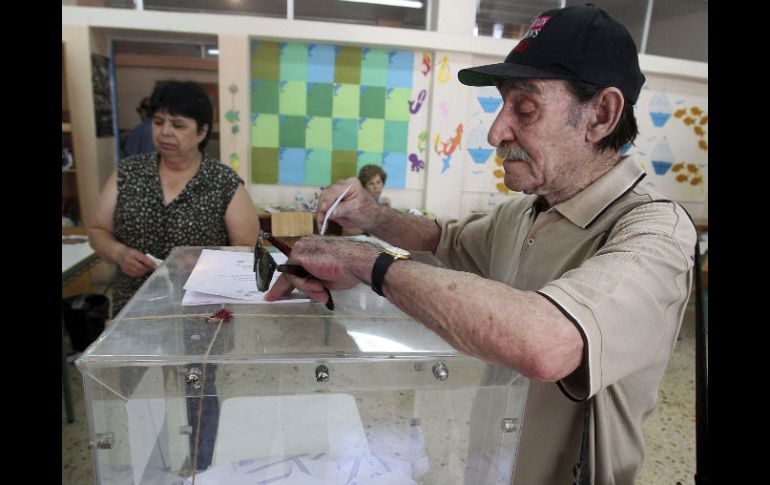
(174, 196)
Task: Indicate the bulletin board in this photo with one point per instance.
(672, 145)
(319, 112)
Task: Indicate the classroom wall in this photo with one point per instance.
(440, 191)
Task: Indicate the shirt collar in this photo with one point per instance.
(584, 207)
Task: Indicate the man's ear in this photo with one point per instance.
(605, 110)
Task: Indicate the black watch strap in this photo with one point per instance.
(381, 264)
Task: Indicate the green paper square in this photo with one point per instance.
(265, 60)
(368, 158)
(319, 99)
(318, 133)
(344, 134)
(396, 136)
(372, 102)
(343, 165)
(318, 167)
(293, 98)
(374, 67)
(292, 132)
(346, 101)
(370, 135)
(264, 131)
(397, 104)
(294, 62)
(264, 96)
(347, 65)
(264, 165)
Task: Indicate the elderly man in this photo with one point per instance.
(581, 285)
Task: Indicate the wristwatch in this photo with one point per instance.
(382, 263)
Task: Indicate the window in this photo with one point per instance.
(675, 28)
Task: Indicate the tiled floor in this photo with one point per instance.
(669, 432)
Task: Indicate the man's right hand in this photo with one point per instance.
(357, 209)
(135, 264)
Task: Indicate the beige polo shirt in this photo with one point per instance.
(627, 299)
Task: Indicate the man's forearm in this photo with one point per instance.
(480, 317)
(488, 319)
(408, 231)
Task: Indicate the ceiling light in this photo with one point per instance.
(212, 51)
(392, 3)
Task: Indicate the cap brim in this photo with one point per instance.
(489, 75)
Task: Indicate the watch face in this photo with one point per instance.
(398, 253)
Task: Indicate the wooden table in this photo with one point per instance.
(332, 229)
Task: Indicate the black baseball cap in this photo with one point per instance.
(580, 43)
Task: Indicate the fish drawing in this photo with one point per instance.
(425, 63)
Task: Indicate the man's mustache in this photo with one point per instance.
(513, 152)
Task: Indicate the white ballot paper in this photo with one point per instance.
(331, 210)
(228, 277)
(155, 260)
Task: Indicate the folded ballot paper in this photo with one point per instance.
(228, 277)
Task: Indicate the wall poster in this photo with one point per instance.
(100, 81)
(672, 145)
(319, 112)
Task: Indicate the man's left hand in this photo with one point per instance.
(335, 263)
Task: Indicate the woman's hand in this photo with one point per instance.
(134, 263)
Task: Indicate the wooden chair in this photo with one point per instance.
(291, 224)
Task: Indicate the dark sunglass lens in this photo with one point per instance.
(258, 252)
(265, 271)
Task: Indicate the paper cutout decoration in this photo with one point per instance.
(662, 158)
(416, 163)
(698, 119)
(489, 104)
(660, 110)
(478, 147)
(444, 73)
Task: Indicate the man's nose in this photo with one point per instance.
(501, 130)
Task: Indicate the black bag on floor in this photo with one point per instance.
(84, 316)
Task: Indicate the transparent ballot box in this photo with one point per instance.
(291, 393)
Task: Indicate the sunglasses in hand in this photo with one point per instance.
(265, 265)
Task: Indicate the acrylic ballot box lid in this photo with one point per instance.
(363, 391)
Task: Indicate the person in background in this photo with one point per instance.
(373, 177)
(580, 285)
(174, 196)
(139, 140)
